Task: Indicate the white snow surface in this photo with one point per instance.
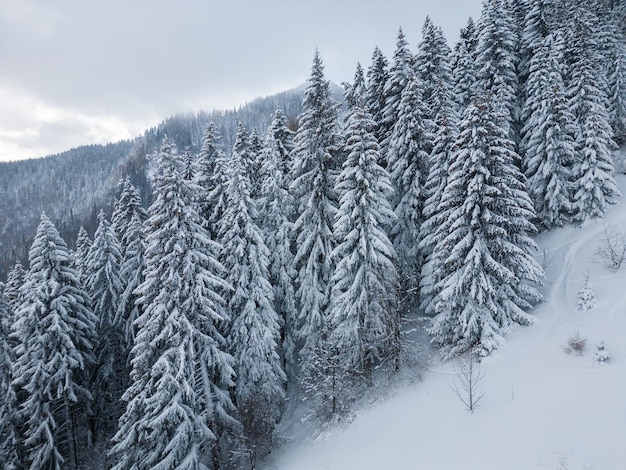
(542, 409)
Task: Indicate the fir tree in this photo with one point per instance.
(54, 333)
(104, 286)
(408, 166)
(313, 178)
(586, 296)
(483, 242)
(275, 214)
(128, 219)
(363, 302)
(83, 243)
(9, 440)
(206, 161)
(464, 73)
(594, 183)
(178, 398)
(548, 137)
(497, 61)
(398, 78)
(377, 77)
(15, 280)
(355, 93)
(254, 333)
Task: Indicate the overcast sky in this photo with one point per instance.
(75, 72)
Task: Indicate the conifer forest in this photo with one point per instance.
(228, 267)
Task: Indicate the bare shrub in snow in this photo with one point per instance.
(612, 248)
(586, 296)
(576, 344)
(468, 384)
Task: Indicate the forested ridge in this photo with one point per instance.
(237, 270)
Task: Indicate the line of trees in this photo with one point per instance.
(286, 266)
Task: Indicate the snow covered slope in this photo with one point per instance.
(543, 408)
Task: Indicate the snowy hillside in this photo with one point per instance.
(543, 408)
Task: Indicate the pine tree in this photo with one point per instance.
(586, 296)
(54, 333)
(398, 78)
(178, 398)
(275, 215)
(83, 243)
(594, 183)
(548, 136)
(446, 130)
(9, 440)
(497, 61)
(206, 161)
(15, 280)
(432, 65)
(377, 77)
(127, 220)
(408, 165)
(104, 286)
(313, 178)
(464, 71)
(255, 330)
(483, 242)
(355, 93)
(364, 301)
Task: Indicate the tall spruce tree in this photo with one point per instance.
(496, 61)
(594, 182)
(464, 72)
(178, 398)
(363, 306)
(313, 178)
(128, 219)
(548, 136)
(408, 152)
(254, 333)
(54, 333)
(104, 286)
(276, 214)
(377, 77)
(83, 242)
(9, 440)
(486, 263)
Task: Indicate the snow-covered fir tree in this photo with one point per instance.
(464, 72)
(363, 306)
(127, 220)
(432, 65)
(586, 295)
(54, 333)
(446, 130)
(312, 186)
(254, 333)
(377, 77)
(397, 80)
(83, 242)
(104, 286)
(593, 172)
(407, 153)
(548, 136)
(9, 440)
(497, 59)
(207, 159)
(276, 222)
(178, 399)
(15, 280)
(355, 93)
(483, 241)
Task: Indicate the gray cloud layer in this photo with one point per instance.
(76, 72)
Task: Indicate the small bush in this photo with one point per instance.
(612, 248)
(602, 353)
(576, 344)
